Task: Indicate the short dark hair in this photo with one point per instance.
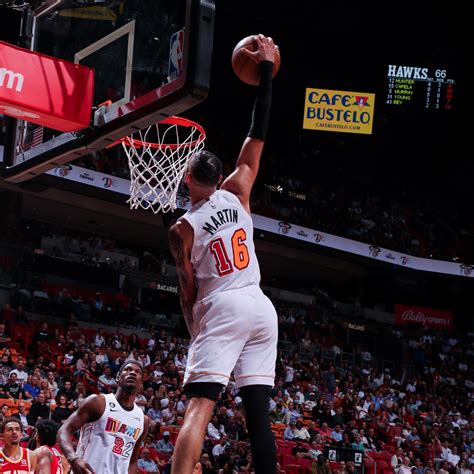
(10, 419)
(47, 431)
(205, 168)
(130, 361)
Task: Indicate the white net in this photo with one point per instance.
(158, 158)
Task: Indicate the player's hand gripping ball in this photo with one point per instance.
(249, 52)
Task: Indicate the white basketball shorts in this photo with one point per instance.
(233, 330)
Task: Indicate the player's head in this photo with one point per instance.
(204, 170)
(46, 432)
(12, 431)
(129, 377)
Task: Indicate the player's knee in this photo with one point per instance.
(207, 390)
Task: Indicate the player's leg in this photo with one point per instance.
(254, 374)
(212, 355)
(262, 441)
(203, 397)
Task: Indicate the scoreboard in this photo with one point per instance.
(422, 87)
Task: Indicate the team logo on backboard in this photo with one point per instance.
(176, 57)
(374, 251)
(63, 170)
(284, 227)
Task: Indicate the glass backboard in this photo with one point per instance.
(152, 59)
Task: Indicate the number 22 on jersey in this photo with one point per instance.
(240, 253)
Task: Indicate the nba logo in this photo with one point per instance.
(175, 64)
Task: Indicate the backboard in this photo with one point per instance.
(152, 59)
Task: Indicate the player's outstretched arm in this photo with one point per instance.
(181, 237)
(91, 410)
(133, 466)
(241, 181)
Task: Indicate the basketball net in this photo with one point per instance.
(158, 157)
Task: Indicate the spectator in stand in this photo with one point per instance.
(52, 383)
(357, 443)
(419, 469)
(5, 370)
(133, 343)
(330, 382)
(106, 383)
(444, 469)
(288, 434)
(312, 453)
(220, 447)
(63, 410)
(44, 387)
(181, 406)
(321, 466)
(66, 390)
(154, 413)
(40, 335)
(206, 464)
(397, 460)
(12, 388)
(215, 430)
(146, 463)
(99, 340)
(164, 445)
(169, 413)
(23, 417)
(336, 436)
(5, 338)
(21, 375)
(463, 468)
(4, 412)
(278, 414)
(39, 409)
(300, 432)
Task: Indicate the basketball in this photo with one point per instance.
(246, 69)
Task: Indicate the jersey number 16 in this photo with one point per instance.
(240, 253)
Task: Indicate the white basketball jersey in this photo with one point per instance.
(108, 443)
(223, 254)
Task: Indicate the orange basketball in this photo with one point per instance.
(247, 70)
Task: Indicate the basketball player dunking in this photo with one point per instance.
(112, 428)
(13, 458)
(233, 325)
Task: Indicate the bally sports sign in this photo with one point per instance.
(339, 111)
(427, 317)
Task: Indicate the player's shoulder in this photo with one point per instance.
(94, 403)
(182, 230)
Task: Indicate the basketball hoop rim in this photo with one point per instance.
(172, 120)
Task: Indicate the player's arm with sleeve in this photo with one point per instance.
(241, 181)
(91, 410)
(133, 466)
(181, 237)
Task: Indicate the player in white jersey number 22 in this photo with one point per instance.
(112, 428)
(233, 325)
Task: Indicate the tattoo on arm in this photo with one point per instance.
(187, 286)
(176, 245)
